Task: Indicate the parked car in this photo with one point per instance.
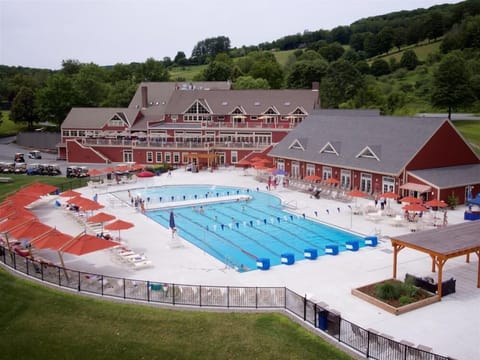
(33, 169)
(77, 171)
(35, 154)
(20, 168)
(19, 157)
(8, 168)
(53, 170)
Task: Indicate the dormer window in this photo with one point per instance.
(296, 145)
(329, 149)
(367, 153)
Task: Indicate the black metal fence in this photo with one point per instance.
(367, 342)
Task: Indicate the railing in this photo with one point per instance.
(367, 342)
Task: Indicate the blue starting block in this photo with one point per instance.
(331, 249)
(310, 254)
(371, 241)
(352, 245)
(263, 263)
(288, 258)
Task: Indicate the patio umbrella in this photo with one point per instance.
(389, 195)
(12, 211)
(23, 199)
(436, 203)
(108, 170)
(14, 222)
(244, 162)
(414, 207)
(356, 194)
(144, 174)
(137, 167)
(332, 181)
(411, 200)
(70, 193)
(53, 240)
(119, 225)
(38, 189)
(100, 218)
(85, 244)
(85, 204)
(312, 178)
(30, 230)
(95, 172)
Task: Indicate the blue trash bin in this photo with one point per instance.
(323, 320)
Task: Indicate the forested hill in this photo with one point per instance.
(403, 63)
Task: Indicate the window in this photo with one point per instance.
(329, 149)
(345, 179)
(168, 158)
(197, 112)
(326, 172)
(366, 183)
(234, 157)
(310, 169)
(81, 132)
(149, 156)
(296, 145)
(66, 133)
(368, 153)
(158, 157)
(388, 184)
(176, 158)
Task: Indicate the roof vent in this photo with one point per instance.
(256, 103)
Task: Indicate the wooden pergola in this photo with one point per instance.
(442, 244)
(211, 158)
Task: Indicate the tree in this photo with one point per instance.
(385, 39)
(380, 67)
(23, 107)
(55, 100)
(153, 70)
(89, 85)
(71, 66)
(434, 25)
(248, 82)
(305, 72)
(180, 59)
(217, 71)
(332, 52)
(340, 84)
(451, 83)
(409, 60)
(209, 48)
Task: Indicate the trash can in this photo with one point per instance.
(323, 320)
(288, 258)
(310, 254)
(263, 263)
(352, 245)
(331, 249)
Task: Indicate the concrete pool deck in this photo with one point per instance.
(450, 327)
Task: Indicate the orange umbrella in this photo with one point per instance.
(95, 172)
(119, 225)
(101, 217)
(436, 203)
(85, 204)
(108, 170)
(13, 223)
(85, 244)
(411, 200)
(137, 167)
(38, 189)
(312, 178)
(414, 207)
(31, 230)
(53, 240)
(23, 199)
(356, 193)
(244, 162)
(389, 195)
(332, 181)
(12, 210)
(70, 193)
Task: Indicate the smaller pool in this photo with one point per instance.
(239, 232)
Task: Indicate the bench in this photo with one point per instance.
(5, 179)
(448, 286)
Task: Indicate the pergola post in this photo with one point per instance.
(440, 262)
(396, 250)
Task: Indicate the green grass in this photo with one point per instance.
(20, 181)
(41, 323)
(422, 51)
(282, 56)
(7, 126)
(470, 129)
(186, 72)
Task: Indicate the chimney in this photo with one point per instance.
(316, 87)
(144, 97)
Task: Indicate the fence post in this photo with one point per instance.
(173, 300)
(200, 295)
(368, 344)
(124, 289)
(148, 291)
(305, 307)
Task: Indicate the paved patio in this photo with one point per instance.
(450, 327)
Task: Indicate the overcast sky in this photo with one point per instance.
(42, 33)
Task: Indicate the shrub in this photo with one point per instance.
(404, 300)
(387, 290)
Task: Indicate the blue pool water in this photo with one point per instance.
(239, 232)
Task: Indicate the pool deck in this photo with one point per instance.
(450, 327)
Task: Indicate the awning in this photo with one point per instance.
(416, 187)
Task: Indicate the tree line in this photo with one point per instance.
(337, 59)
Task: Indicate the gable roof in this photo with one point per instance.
(393, 140)
(254, 102)
(448, 177)
(95, 118)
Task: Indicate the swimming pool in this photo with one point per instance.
(238, 232)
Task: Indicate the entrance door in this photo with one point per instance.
(127, 156)
(366, 183)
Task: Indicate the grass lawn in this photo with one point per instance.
(20, 181)
(7, 126)
(470, 129)
(41, 323)
(187, 72)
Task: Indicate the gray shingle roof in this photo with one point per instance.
(254, 102)
(95, 118)
(394, 140)
(451, 176)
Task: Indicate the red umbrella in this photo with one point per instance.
(414, 207)
(95, 172)
(119, 225)
(14, 222)
(411, 200)
(7, 212)
(436, 203)
(389, 195)
(144, 174)
(136, 167)
(31, 230)
(101, 217)
(332, 181)
(23, 199)
(85, 204)
(312, 178)
(108, 170)
(38, 189)
(356, 193)
(244, 162)
(70, 193)
(85, 244)
(53, 239)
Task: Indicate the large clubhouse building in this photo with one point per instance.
(210, 124)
